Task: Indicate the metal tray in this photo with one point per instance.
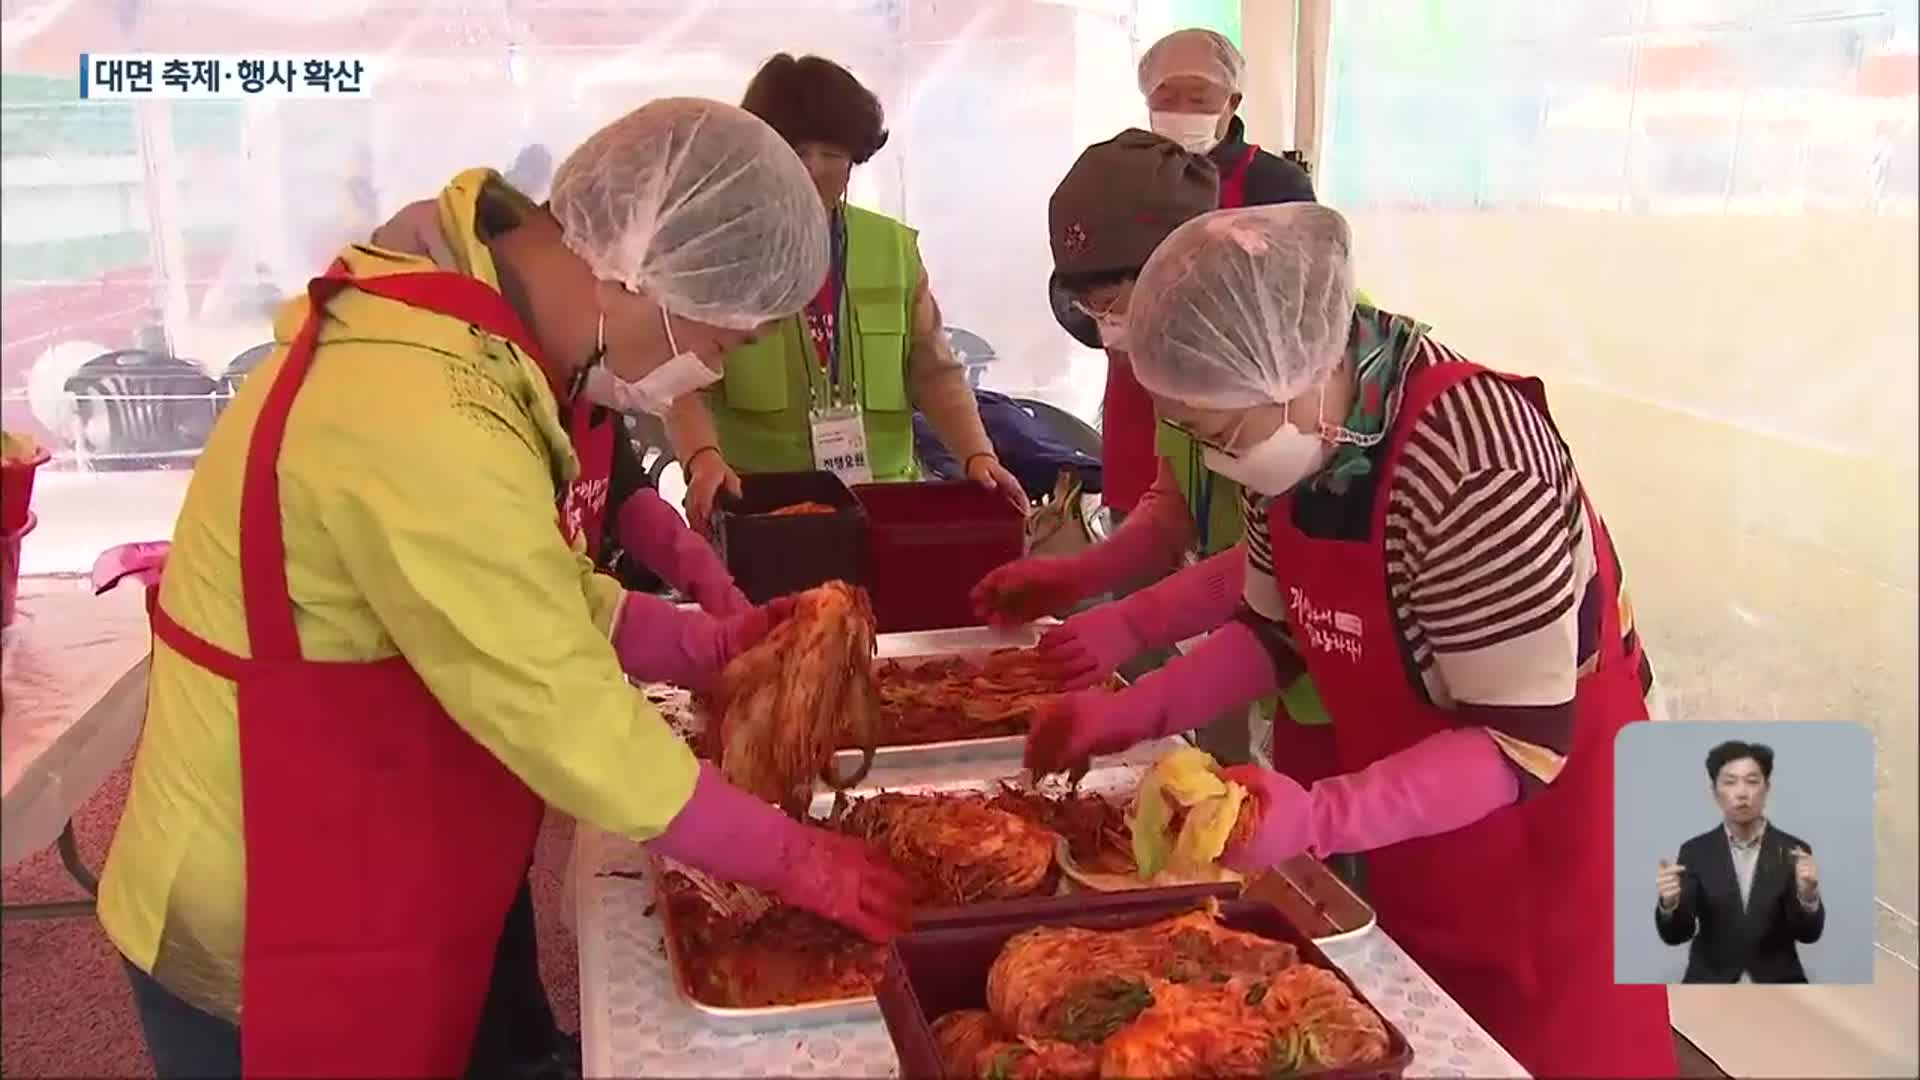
(1299, 878)
(937, 644)
(1110, 781)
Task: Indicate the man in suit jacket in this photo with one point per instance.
(1745, 891)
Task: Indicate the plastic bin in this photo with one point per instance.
(933, 972)
(928, 544)
(10, 567)
(774, 556)
(16, 490)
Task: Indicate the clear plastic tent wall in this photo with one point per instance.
(1696, 221)
(168, 231)
(1695, 218)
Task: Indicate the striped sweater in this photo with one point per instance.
(1490, 563)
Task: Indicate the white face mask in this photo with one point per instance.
(656, 391)
(1277, 463)
(1197, 132)
(1113, 331)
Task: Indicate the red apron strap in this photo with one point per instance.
(263, 554)
(202, 653)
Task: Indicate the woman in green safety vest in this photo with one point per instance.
(835, 387)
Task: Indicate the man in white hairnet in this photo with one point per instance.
(1433, 562)
(1192, 80)
(380, 649)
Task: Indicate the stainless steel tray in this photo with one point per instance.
(1111, 781)
(937, 644)
(1301, 876)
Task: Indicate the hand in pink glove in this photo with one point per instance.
(1148, 542)
(1093, 644)
(733, 836)
(1444, 782)
(1230, 668)
(143, 561)
(658, 642)
(1027, 589)
(656, 535)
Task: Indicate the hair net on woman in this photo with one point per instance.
(1240, 308)
(699, 204)
(1193, 52)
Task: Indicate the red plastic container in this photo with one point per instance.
(776, 556)
(16, 490)
(937, 971)
(10, 567)
(928, 544)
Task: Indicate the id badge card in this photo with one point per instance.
(840, 444)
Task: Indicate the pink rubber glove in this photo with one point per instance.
(144, 561)
(1028, 589)
(1090, 646)
(1230, 668)
(655, 534)
(1150, 540)
(658, 642)
(735, 837)
(1443, 782)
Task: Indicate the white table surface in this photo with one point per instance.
(634, 1023)
(74, 679)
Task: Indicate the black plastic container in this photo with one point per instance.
(774, 556)
(932, 972)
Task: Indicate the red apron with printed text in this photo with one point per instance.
(583, 510)
(1513, 915)
(383, 844)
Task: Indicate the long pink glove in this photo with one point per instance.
(736, 837)
(1150, 540)
(1230, 668)
(655, 534)
(1444, 782)
(1091, 645)
(142, 561)
(658, 642)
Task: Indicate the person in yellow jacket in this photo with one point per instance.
(835, 387)
(372, 631)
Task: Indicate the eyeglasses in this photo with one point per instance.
(1098, 314)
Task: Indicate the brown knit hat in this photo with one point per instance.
(813, 99)
(1121, 198)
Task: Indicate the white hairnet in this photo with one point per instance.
(1239, 308)
(699, 204)
(1193, 52)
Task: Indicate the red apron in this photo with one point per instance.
(1233, 182)
(1128, 458)
(1129, 461)
(383, 844)
(583, 511)
(1512, 915)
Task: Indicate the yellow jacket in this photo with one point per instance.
(418, 485)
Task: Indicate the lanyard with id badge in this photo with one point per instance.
(839, 431)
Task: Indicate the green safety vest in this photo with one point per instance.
(761, 405)
(1213, 500)
(1216, 500)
